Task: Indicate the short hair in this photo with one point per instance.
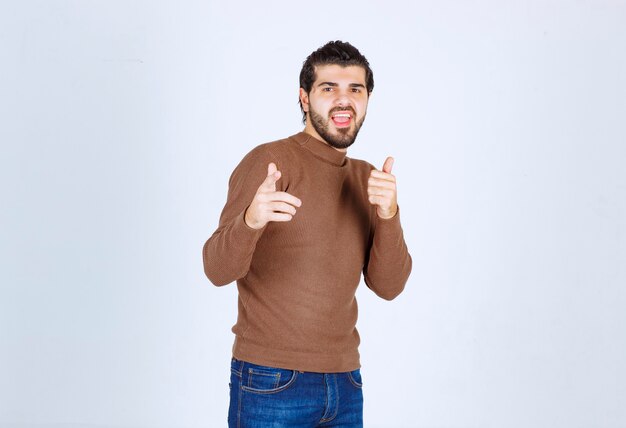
(333, 53)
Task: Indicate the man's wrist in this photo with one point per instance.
(387, 216)
(246, 220)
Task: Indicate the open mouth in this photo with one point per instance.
(342, 119)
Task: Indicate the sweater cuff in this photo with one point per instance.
(390, 224)
(244, 234)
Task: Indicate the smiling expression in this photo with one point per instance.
(336, 105)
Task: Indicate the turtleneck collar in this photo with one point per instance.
(320, 149)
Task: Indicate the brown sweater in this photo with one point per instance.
(297, 279)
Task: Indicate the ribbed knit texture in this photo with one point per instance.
(297, 279)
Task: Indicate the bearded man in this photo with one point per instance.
(302, 222)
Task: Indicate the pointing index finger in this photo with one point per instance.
(272, 177)
(271, 168)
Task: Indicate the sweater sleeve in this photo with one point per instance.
(389, 263)
(227, 254)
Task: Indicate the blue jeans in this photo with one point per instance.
(264, 397)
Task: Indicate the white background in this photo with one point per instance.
(120, 122)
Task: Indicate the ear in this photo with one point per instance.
(304, 99)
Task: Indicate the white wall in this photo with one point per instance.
(120, 123)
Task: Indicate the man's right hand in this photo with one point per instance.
(270, 205)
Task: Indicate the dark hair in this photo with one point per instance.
(333, 53)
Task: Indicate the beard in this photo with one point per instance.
(344, 136)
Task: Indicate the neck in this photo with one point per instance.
(308, 128)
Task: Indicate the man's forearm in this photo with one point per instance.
(389, 264)
(227, 254)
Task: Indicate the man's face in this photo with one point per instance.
(336, 104)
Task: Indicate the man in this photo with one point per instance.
(301, 222)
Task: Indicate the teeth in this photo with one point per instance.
(342, 115)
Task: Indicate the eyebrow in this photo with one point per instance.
(352, 85)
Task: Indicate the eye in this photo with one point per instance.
(356, 90)
(327, 89)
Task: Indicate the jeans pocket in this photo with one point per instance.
(355, 378)
(266, 380)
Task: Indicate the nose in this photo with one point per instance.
(342, 98)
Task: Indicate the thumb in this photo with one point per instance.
(388, 165)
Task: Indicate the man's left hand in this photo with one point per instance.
(381, 190)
